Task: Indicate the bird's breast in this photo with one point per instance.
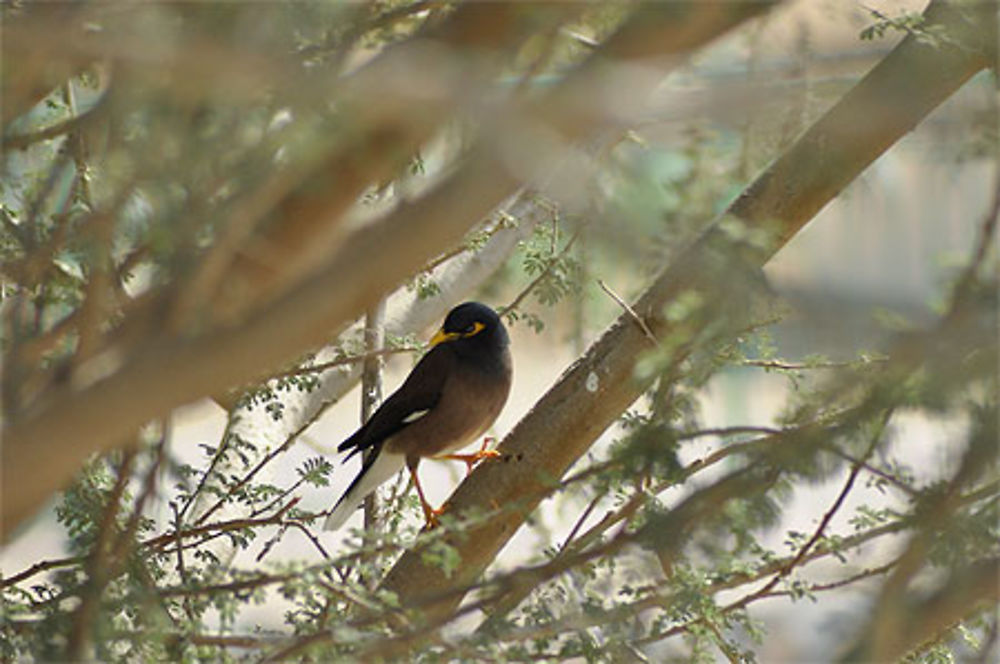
(470, 402)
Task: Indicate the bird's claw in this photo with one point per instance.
(432, 517)
(481, 455)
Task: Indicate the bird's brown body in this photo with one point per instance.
(470, 403)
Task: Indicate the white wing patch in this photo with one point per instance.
(415, 415)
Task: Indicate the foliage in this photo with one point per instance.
(906, 22)
(661, 545)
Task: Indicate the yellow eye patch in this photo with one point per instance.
(473, 329)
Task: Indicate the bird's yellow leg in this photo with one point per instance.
(430, 514)
(470, 460)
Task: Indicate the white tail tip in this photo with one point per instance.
(385, 466)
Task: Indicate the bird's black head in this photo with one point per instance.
(473, 327)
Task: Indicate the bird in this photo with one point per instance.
(451, 397)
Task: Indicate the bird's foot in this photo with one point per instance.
(432, 517)
(470, 460)
(481, 455)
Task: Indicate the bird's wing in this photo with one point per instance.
(418, 394)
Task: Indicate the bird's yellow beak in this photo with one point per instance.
(442, 336)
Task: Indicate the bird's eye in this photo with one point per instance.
(469, 329)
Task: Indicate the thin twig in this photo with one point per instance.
(984, 240)
(220, 453)
(894, 481)
(756, 596)
(487, 233)
(40, 567)
(298, 525)
(630, 311)
(591, 506)
(804, 366)
(243, 481)
(214, 530)
(503, 311)
(341, 361)
(734, 431)
(804, 550)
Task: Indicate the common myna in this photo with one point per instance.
(451, 397)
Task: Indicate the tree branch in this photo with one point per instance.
(881, 108)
